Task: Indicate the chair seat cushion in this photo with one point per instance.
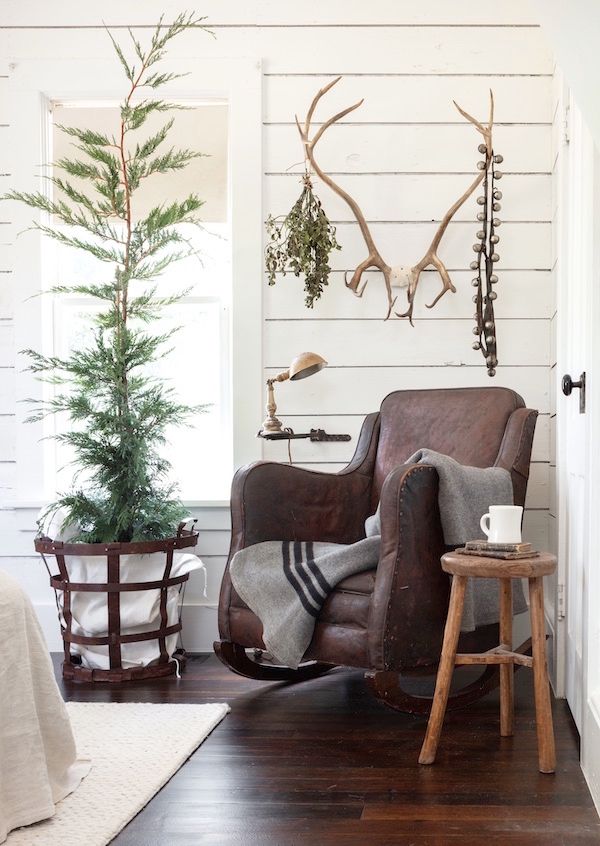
(341, 625)
(348, 604)
(358, 583)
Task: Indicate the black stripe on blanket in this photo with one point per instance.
(317, 593)
(307, 602)
(310, 563)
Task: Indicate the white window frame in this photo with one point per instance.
(238, 80)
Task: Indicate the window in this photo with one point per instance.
(198, 363)
(216, 358)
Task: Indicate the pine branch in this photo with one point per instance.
(148, 270)
(100, 154)
(175, 213)
(86, 137)
(149, 146)
(102, 253)
(82, 170)
(129, 71)
(134, 117)
(156, 80)
(147, 306)
(138, 169)
(85, 289)
(173, 160)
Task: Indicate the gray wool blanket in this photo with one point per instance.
(285, 583)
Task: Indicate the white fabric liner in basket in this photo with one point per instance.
(139, 610)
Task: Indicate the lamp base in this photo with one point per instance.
(271, 426)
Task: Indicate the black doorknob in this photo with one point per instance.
(568, 384)
(567, 388)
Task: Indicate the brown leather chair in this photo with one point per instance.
(389, 620)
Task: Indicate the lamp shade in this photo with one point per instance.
(306, 364)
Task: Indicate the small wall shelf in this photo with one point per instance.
(315, 435)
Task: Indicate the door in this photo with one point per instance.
(575, 270)
(574, 30)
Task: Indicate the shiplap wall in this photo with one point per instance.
(405, 155)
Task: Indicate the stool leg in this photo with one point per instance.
(543, 711)
(507, 705)
(445, 669)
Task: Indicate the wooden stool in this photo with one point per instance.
(462, 568)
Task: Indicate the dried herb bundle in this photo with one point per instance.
(301, 242)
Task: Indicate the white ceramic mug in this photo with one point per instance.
(502, 524)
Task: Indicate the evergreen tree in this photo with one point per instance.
(118, 410)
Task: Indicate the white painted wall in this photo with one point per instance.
(405, 156)
(573, 31)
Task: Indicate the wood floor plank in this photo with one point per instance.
(323, 763)
(448, 812)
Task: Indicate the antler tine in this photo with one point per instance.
(374, 259)
(333, 120)
(316, 98)
(431, 257)
(409, 311)
(391, 299)
(302, 132)
(480, 127)
(447, 218)
(354, 283)
(446, 281)
(447, 285)
(486, 131)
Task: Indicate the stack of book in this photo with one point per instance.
(509, 551)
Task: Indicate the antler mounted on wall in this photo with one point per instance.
(399, 275)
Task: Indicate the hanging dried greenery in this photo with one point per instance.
(301, 243)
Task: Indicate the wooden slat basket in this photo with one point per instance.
(114, 587)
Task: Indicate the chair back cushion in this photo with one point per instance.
(465, 423)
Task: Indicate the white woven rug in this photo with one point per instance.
(135, 749)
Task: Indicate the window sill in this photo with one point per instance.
(36, 505)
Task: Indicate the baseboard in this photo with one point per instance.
(47, 615)
(199, 626)
(590, 747)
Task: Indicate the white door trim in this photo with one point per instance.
(579, 213)
(590, 739)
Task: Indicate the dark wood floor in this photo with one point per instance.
(322, 763)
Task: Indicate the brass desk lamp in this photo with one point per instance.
(302, 366)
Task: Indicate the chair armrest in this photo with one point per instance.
(410, 599)
(271, 501)
(514, 454)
